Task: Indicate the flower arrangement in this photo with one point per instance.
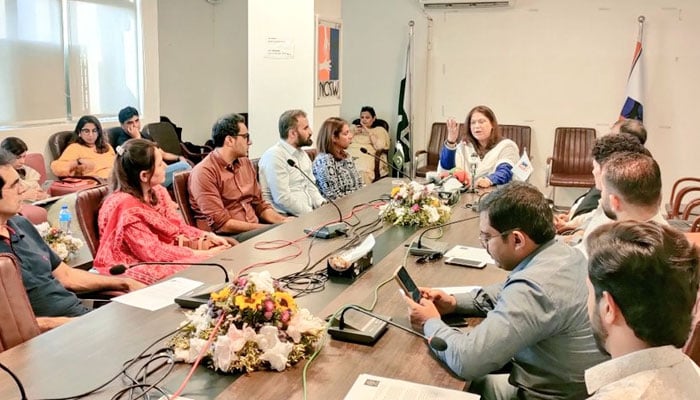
(415, 204)
(262, 328)
(63, 244)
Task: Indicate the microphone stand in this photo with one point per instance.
(330, 230)
(364, 150)
(419, 250)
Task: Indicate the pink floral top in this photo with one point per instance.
(132, 231)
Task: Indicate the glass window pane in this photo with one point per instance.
(103, 56)
(32, 83)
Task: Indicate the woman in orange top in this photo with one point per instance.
(89, 154)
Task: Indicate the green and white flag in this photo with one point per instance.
(402, 151)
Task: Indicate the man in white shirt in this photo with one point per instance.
(282, 185)
(642, 284)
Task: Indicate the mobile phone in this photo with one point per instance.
(465, 262)
(406, 283)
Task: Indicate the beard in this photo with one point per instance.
(304, 142)
(599, 333)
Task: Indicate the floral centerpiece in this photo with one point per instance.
(415, 204)
(262, 328)
(62, 243)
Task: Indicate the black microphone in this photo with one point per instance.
(330, 230)
(435, 342)
(121, 268)
(418, 249)
(381, 160)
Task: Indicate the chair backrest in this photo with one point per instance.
(36, 162)
(18, 320)
(572, 151)
(520, 134)
(182, 196)
(312, 152)
(438, 134)
(87, 207)
(164, 134)
(113, 135)
(377, 122)
(58, 142)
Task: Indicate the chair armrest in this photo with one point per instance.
(420, 152)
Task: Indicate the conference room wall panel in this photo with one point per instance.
(546, 63)
(203, 63)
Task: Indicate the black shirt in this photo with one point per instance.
(37, 261)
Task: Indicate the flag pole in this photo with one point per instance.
(412, 170)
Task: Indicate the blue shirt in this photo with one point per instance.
(537, 319)
(37, 261)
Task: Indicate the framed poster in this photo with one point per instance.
(328, 51)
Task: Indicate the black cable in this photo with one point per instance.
(130, 363)
(20, 387)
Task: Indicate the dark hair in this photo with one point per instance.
(101, 145)
(127, 113)
(652, 273)
(635, 177)
(329, 129)
(522, 206)
(370, 110)
(134, 156)
(495, 132)
(14, 145)
(224, 127)
(633, 127)
(6, 158)
(288, 121)
(605, 146)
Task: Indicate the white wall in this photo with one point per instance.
(204, 62)
(543, 63)
(278, 84)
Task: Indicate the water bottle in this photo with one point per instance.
(64, 218)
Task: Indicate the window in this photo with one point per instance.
(67, 58)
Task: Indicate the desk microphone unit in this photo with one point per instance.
(191, 299)
(364, 331)
(328, 231)
(419, 248)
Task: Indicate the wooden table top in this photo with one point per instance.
(88, 351)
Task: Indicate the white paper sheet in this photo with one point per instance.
(470, 253)
(160, 295)
(373, 387)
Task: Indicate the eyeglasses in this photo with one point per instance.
(246, 136)
(484, 238)
(85, 131)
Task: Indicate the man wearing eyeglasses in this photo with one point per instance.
(536, 323)
(224, 191)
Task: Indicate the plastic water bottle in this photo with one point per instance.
(64, 218)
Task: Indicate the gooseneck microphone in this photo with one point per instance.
(381, 160)
(330, 230)
(435, 342)
(121, 268)
(416, 248)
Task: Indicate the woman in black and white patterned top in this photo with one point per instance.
(333, 167)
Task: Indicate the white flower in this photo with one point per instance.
(199, 318)
(303, 322)
(239, 337)
(75, 242)
(61, 250)
(224, 354)
(403, 192)
(262, 281)
(189, 355)
(433, 215)
(43, 228)
(274, 351)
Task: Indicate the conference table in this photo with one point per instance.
(85, 353)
